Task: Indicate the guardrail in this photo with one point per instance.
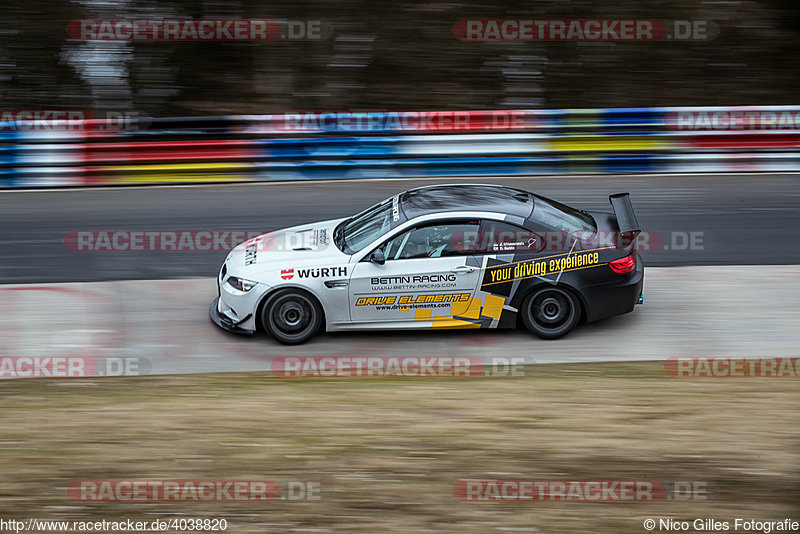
(305, 146)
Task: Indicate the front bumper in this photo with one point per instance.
(225, 322)
(234, 310)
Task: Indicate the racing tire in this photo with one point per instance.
(291, 316)
(550, 312)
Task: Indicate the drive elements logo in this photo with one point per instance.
(411, 299)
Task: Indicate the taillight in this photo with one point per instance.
(624, 265)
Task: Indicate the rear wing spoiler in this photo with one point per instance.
(626, 219)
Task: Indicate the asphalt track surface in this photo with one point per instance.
(162, 326)
(734, 295)
(744, 219)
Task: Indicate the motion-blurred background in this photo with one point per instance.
(379, 55)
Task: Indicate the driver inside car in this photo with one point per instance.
(426, 242)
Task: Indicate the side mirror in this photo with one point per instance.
(377, 257)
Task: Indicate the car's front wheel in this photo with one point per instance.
(550, 312)
(291, 316)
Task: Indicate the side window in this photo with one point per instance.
(499, 237)
(434, 241)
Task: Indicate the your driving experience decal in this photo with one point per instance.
(497, 272)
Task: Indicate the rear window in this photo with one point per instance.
(551, 214)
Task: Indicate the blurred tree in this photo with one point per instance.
(388, 55)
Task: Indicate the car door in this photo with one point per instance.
(429, 273)
(510, 256)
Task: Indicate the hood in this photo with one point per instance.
(305, 244)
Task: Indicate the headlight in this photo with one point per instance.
(241, 284)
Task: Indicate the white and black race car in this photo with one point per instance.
(443, 256)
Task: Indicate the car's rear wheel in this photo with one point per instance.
(550, 312)
(291, 316)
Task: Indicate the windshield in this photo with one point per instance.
(556, 215)
(356, 233)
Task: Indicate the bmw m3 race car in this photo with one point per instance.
(442, 256)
